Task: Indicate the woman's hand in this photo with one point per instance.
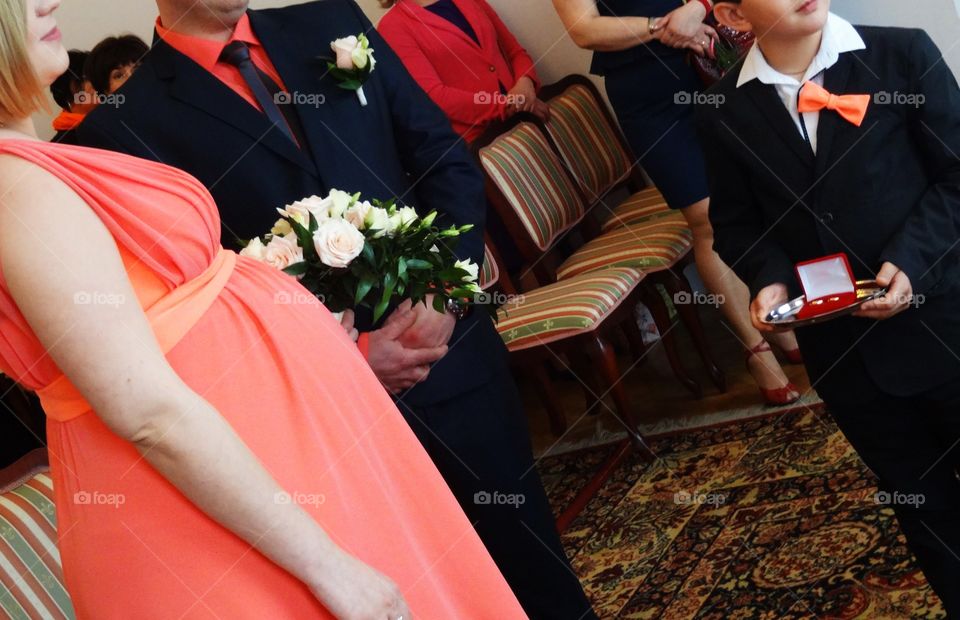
(523, 96)
(684, 28)
(352, 590)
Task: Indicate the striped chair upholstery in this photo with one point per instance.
(644, 206)
(564, 309)
(588, 143)
(648, 246)
(533, 180)
(489, 272)
(31, 579)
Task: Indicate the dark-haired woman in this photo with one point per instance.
(113, 61)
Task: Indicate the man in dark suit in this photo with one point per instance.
(243, 101)
(803, 165)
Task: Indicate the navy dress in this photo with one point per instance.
(652, 88)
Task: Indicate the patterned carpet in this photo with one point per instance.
(767, 518)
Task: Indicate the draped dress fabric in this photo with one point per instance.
(280, 369)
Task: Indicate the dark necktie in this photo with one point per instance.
(265, 90)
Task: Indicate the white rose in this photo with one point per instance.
(338, 242)
(470, 267)
(344, 50)
(357, 214)
(379, 220)
(301, 209)
(282, 252)
(339, 201)
(255, 250)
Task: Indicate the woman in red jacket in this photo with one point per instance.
(465, 58)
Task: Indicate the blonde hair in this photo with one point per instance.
(21, 93)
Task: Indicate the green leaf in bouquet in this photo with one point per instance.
(462, 293)
(416, 264)
(439, 303)
(402, 269)
(368, 254)
(363, 289)
(389, 282)
(297, 269)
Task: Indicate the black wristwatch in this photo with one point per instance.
(458, 309)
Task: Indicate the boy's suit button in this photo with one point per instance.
(826, 218)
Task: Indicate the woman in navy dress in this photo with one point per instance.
(641, 48)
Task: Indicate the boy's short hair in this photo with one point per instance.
(21, 93)
(109, 54)
(65, 87)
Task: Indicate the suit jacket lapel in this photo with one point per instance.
(771, 107)
(304, 70)
(194, 86)
(834, 80)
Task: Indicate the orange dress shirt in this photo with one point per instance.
(206, 53)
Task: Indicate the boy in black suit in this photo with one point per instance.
(829, 138)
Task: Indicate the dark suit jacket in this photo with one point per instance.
(399, 145)
(888, 190)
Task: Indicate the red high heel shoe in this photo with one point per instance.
(779, 396)
(793, 355)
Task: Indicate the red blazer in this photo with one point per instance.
(463, 78)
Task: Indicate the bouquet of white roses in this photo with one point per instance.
(353, 253)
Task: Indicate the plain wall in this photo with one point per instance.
(534, 22)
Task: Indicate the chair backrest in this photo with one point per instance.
(31, 577)
(525, 171)
(489, 270)
(592, 146)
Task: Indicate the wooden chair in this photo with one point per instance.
(532, 192)
(599, 159)
(564, 320)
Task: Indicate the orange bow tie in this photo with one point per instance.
(814, 98)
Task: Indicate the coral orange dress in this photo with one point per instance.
(281, 370)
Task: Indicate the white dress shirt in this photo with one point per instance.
(839, 36)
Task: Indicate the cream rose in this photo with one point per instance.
(282, 252)
(344, 49)
(255, 250)
(337, 242)
(301, 209)
(357, 214)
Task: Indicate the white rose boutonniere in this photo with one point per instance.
(353, 64)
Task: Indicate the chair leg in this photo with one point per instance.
(677, 285)
(558, 421)
(603, 355)
(661, 317)
(587, 376)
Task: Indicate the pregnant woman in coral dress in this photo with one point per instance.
(218, 445)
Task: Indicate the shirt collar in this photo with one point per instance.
(206, 52)
(839, 36)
